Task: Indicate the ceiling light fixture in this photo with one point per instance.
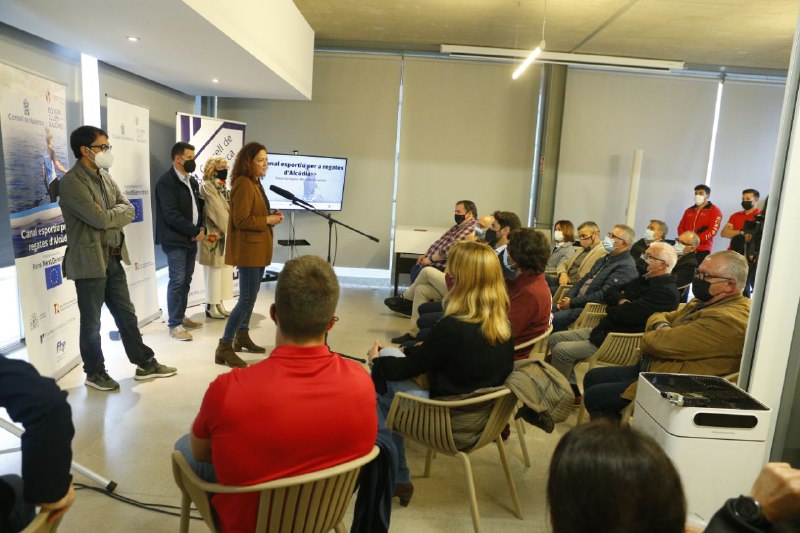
(214, 80)
(133, 39)
(536, 51)
(562, 58)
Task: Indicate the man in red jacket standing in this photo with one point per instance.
(702, 218)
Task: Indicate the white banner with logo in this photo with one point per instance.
(210, 137)
(128, 128)
(34, 136)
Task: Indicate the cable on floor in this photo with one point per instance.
(155, 507)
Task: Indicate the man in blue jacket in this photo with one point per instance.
(616, 268)
(629, 307)
(179, 225)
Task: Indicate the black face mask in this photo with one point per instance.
(747, 205)
(222, 174)
(700, 288)
(189, 166)
(491, 237)
(459, 218)
(641, 266)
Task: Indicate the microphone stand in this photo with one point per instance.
(331, 221)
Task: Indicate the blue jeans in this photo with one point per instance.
(181, 267)
(249, 285)
(562, 319)
(113, 291)
(602, 389)
(384, 403)
(204, 471)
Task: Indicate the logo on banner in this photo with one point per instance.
(26, 107)
(56, 308)
(52, 276)
(34, 321)
(138, 209)
(61, 347)
(48, 96)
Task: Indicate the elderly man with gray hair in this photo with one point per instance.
(616, 268)
(629, 307)
(706, 336)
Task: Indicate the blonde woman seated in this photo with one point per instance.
(468, 349)
(218, 275)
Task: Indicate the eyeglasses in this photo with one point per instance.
(584, 237)
(103, 147)
(648, 257)
(702, 276)
(615, 237)
(685, 243)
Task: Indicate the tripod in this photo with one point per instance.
(77, 467)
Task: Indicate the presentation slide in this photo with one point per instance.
(314, 179)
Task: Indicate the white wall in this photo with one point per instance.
(608, 115)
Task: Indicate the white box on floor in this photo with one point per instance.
(714, 432)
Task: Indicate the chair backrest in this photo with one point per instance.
(431, 421)
(621, 349)
(537, 344)
(590, 316)
(560, 292)
(313, 502)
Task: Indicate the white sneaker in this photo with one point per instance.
(179, 333)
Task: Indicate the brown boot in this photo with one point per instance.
(226, 356)
(243, 343)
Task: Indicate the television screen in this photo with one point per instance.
(317, 180)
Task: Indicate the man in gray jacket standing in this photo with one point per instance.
(95, 211)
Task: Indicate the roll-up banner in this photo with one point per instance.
(34, 135)
(128, 127)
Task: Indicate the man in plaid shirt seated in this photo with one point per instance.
(466, 216)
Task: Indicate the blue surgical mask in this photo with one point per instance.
(480, 232)
(678, 247)
(608, 244)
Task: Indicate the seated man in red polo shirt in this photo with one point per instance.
(300, 410)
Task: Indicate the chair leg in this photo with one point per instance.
(522, 444)
(429, 462)
(185, 503)
(510, 480)
(473, 500)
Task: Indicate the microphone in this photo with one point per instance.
(282, 192)
(286, 194)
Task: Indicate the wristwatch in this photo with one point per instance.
(749, 511)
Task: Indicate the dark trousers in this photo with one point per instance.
(602, 388)
(562, 319)
(111, 290)
(180, 261)
(15, 512)
(415, 270)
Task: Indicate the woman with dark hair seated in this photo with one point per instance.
(468, 349)
(531, 302)
(607, 478)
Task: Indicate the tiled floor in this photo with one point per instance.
(127, 436)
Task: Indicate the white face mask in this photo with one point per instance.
(649, 234)
(678, 247)
(699, 199)
(558, 236)
(103, 159)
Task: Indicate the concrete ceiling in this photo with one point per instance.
(751, 34)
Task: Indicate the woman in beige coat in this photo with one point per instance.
(218, 275)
